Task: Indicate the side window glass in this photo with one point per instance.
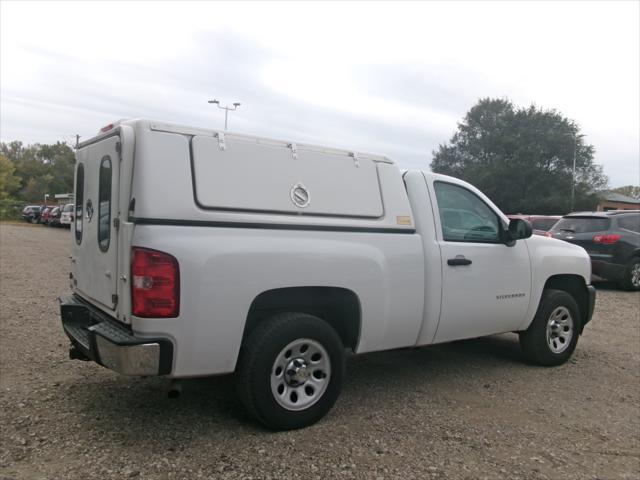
(104, 204)
(464, 216)
(79, 199)
(631, 223)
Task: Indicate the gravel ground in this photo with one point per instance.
(467, 410)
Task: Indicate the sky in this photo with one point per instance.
(388, 78)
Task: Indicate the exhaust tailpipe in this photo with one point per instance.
(175, 389)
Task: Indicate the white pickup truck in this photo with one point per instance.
(196, 252)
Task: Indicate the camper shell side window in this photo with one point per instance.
(104, 204)
(79, 199)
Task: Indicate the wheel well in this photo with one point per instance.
(337, 306)
(575, 286)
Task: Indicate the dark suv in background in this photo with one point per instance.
(612, 240)
(31, 213)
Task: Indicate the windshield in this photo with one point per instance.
(582, 224)
(68, 207)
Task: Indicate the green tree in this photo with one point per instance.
(9, 183)
(40, 168)
(632, 191)
(32, 191)
(12, 150)
(522, 158)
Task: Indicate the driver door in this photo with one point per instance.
(486, 284)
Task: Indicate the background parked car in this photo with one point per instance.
(31, 213)
(539, 223)
(54, 217)
(42, 207)
(45, 215)
(612, 240)
(66, 215)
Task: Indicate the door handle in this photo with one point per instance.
(458, 261)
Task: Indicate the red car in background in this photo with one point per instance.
(539, 223)
(50, 216)
(45, 214)
(54, 217)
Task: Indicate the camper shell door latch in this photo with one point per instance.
(294, 150)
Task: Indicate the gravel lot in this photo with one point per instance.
(467, 410)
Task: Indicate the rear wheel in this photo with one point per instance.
(631, 279)
(290, 370)
(553, 334)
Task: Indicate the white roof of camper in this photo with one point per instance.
(219, 176)
(158, 126)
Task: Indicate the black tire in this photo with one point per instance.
(629, 281)
(534, 341)
(257, 357)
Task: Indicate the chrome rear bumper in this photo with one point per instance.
(96, 336)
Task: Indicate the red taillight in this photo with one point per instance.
(155, 284)
(106, 128)
(606, 239)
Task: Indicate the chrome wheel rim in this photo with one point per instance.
(300, 374)
(559, 330)
(635, 275)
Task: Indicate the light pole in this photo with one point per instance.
(226, 109)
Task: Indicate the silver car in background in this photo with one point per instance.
(66, 216)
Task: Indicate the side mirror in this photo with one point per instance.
(518, 229)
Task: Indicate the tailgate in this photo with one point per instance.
(95, 248)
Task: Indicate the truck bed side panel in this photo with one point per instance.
(224, 269)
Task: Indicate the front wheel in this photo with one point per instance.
(290, 370)
(553, 334)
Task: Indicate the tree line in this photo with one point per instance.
(28, 172)
(521, 158)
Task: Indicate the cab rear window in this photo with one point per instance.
(582, 224)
